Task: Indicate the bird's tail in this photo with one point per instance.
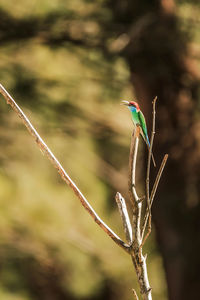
(146, 139)
(148, 145)
(154, 163)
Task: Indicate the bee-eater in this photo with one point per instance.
(139, 119)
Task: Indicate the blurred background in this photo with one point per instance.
(68, 64)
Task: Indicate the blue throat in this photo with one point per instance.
(132, 108)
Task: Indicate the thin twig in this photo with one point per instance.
(125, 217)
(148, 219)
(148, 207)
(153, 192)
(150, 154)
(155, 186)
(135, 294)
(61, 170)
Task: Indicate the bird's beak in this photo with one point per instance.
(124, 102)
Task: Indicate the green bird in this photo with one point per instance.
(139, 119)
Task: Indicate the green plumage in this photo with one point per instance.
(139, 119)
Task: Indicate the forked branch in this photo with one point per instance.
(150, 198)
(134, 199)
(137, 257)
(150, 154)
(134, 232)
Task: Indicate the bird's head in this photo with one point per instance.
(131, 104)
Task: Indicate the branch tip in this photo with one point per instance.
(124, 216)
(135, 294)
(154, 100)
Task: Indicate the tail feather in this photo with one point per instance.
(146, 139)
(148, 145)
(154, 163)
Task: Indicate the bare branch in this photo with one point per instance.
(147, 217)
(150, 154)
(41, 144)
(134, 199)
(138, 259)
(155, 186)
(148, 207)
(133, 231)
(132, 166)
(125, 217)
(135, 294)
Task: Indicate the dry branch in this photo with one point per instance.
(125, 217)
(153, 192)
(132, 228)
(138, 259)
(41, 144)
(135, 294)
(150, 154)
(147, 217)
(132, 167)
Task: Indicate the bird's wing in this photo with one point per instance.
(143, 126)
(144, 133)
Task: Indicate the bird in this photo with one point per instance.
(139, 119)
